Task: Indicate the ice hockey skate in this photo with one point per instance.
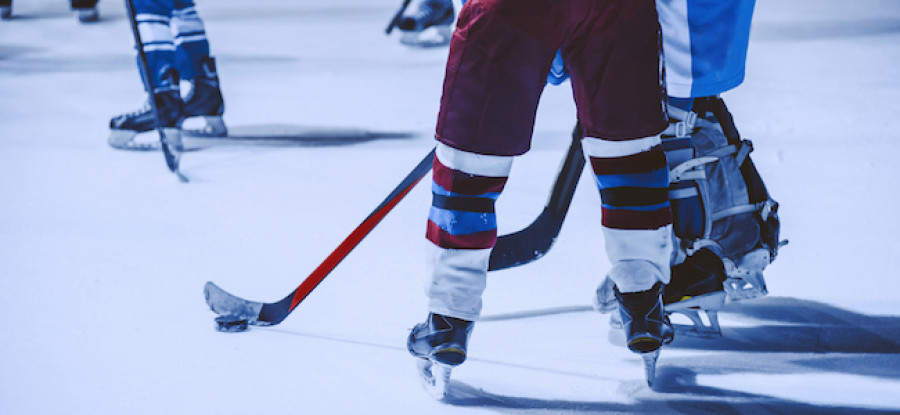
(200, 113)
(124, 128)
(646, 326)
(440, 345)
(86, 10)
(5, 9)
(431, 25)
(204, 101)
(87, 14)
(697, 286)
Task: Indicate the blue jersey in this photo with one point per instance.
(705, 44)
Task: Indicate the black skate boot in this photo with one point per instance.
(440, 338)
(440, 345)
(5, 9)
(205, 100)
(431, 24)
(700, 276)
(87, 10)
(697, 285)
(124, 128)
(646, 326)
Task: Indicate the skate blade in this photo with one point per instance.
(747, 287)
(88, 15)
(711, 301)
(706, 329)
(434, 36)
(205, 126)
(125, 140)
(435, 378)
(650, 359)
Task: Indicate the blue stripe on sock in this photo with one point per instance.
(457, 222)
(655, 179)
(437, 189)
(649, 208)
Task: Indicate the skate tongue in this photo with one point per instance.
(433, 36)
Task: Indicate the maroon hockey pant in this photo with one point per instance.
(501, 53)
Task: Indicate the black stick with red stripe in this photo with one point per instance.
(237, 313)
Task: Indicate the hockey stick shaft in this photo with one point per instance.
(535, 240)
(397, 17)
(274, 313)
(569, 173)
(171, 159)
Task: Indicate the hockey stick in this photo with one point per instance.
(169, 138)
(532, 242)
(397, 17)
(236, 312)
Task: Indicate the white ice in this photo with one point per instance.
(103, 253)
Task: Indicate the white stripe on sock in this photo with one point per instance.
(653, 248)
(155, 32)
(596, 147)
(472, 163)
(457, 280)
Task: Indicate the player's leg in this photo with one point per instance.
(616, 78)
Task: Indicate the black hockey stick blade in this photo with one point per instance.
(267, 314)
(224, 303)
(535, 240)
(397, 17)
(170, 140)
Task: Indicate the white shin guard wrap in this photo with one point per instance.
(457, 281)
(640, 258)
(631, 175)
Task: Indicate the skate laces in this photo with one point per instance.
(424, 12)
(142, 110)
(429, 13)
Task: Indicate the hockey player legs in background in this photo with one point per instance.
(5, 9)
(86, 10)
(500, 56)
(427, 23)
(177, 49)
